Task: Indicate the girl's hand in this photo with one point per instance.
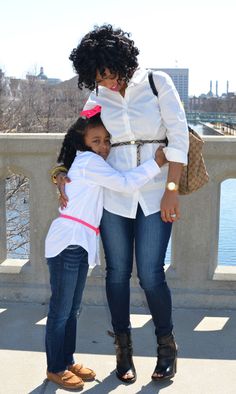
(170, 211)
(160, 157)
(62, 179)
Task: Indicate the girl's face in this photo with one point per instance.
(109, 81)
(98, 139)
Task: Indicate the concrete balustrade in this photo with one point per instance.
(193, 275)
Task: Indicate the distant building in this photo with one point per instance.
(180, 77)
(43, 77)
(210, 93)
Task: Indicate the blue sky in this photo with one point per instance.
(199, 35)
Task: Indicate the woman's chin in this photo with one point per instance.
(115, 88)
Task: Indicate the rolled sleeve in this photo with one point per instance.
(174, 120)
(176, 155)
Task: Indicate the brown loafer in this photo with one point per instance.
(82, 372)
(67, 380)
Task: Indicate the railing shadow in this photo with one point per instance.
(20, 331)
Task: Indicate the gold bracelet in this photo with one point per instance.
(55, 171)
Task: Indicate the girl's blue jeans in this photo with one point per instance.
(68, 272)
(148, 236)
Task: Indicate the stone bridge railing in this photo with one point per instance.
(194, 275)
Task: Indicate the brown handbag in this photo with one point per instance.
(194, 175)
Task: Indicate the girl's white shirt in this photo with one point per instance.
(90, 175)
(140, 115)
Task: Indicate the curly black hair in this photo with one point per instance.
(74, 139)
(104, 47)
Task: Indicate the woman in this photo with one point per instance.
(106, 62)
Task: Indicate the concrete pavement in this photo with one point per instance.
(206, 339)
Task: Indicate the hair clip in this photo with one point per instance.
(86, 114)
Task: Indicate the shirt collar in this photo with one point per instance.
(138, 76)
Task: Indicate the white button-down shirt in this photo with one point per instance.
(140, 115)
(89, 175)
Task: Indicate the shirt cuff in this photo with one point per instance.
(151, 168)
(176, 155)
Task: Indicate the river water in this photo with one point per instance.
(227, 236)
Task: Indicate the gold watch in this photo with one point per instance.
(172, 186)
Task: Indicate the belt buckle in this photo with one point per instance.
(133, 142)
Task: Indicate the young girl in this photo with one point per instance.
(71, 243)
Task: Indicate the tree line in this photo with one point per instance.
(34, 106)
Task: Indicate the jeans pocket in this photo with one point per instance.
(72, 247)
(73, 256)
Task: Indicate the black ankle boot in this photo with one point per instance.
(124, 352)
(166, 358)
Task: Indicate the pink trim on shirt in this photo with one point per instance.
(96, 229)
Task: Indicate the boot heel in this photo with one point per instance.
(166, 365)
(175, 366)
(124, 360)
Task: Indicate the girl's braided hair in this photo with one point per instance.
(104, 47)
(74, 139)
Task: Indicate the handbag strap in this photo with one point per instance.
(152, 84)
(154, 91)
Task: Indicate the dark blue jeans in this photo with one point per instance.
(68, 273)
(148, 236)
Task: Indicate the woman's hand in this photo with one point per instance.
(170, 211)
(62, 179)
(170, 201)
(160, 157)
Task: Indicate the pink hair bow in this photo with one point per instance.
(91, 112)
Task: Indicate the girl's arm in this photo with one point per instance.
(98, 171)
(62, 178)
